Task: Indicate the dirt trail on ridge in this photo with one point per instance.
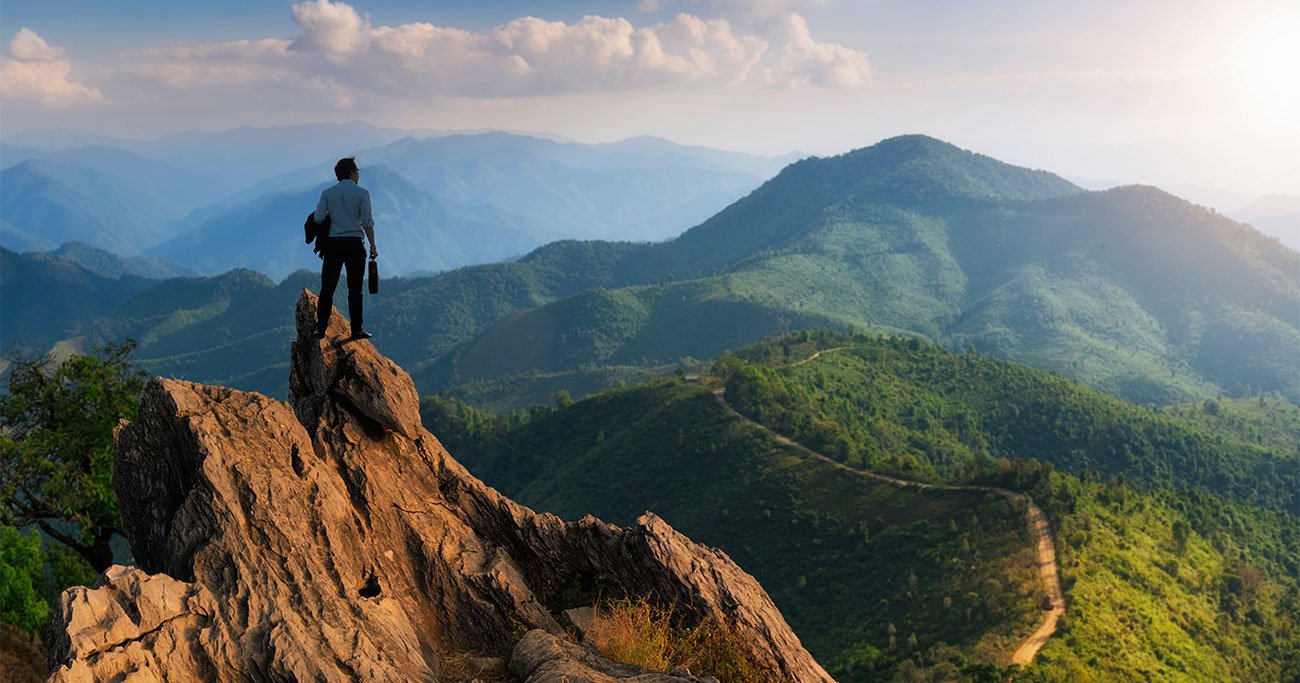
(1039, 528)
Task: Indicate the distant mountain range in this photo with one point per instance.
(49, 201)
(1273, 214)
(1132, 290)
(443, 202)
(416, 232)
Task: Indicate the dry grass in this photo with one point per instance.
(638, 632)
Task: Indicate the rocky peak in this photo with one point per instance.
(336, 539)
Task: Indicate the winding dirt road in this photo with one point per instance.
(1038, 526)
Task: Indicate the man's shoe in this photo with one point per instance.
(361, 334)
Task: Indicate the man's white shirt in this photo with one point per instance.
(348, 206)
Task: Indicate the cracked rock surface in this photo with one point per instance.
(333, 538)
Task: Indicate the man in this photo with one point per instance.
(348, 206)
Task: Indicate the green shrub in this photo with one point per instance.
(20, 573)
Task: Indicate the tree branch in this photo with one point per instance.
(59, 535)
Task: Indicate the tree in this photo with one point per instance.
(1182, 532)
(20, 563)
(56, 446)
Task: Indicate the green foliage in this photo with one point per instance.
(56, 449)
(1192, 577)
(1185, 572)
(1157, 593)
(33, 574)
(20, 564)
(1271, 422)
(807, 531)
(45, 299)
(903, 406)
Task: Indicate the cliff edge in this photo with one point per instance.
(333, 538)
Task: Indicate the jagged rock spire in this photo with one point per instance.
(337, 539)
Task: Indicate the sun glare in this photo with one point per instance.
(1268, 63)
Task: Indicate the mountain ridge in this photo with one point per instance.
(1101, 286)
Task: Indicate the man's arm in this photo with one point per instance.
(367, 222)
(322, 209)
(370, 233)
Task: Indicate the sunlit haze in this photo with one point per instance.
(1177, 93)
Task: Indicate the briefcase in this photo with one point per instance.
(374, 277)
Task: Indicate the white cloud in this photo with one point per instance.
(331, 29)
(29, 47)
(806, 61)
(32, 69)
(337, 47)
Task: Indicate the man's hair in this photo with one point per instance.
(344, 168)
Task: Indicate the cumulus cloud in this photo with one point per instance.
(32, 69)
(806, 61)
(338, 48)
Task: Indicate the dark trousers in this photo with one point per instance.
(339, 252)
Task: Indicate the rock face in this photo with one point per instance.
(335, 539)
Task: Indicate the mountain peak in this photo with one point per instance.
(918, 168)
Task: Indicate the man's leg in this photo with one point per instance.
(356, 262)
(329, 279)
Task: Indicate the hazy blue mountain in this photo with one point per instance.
(648, 150)
(1277, 215)
(57, 140)
(252, 154)
(20, 241)
(179, 190)
(415, 232)
(638, 189)
(16, 154)
(641, 189)
(59, 202)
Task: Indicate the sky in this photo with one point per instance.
(1169, 92)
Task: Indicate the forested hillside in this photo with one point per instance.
(1132, 291)
(869, 575)
(1170, 570)
(46, 298)
(949, 415)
